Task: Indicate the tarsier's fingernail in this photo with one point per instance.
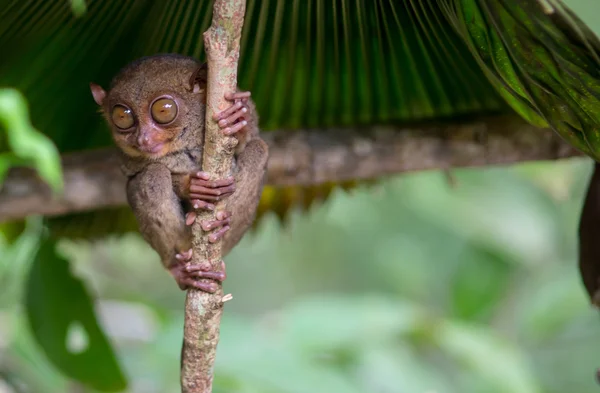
(196, 206)
(244, 109)
(244, 122)
(210, 207)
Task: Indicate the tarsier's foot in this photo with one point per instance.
(221, 224)
(189, 276)
(233, 119)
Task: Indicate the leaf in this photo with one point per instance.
(28, 145)
(492, 357)
(315, 63)
(542, 59)
(61, 316)
(15, 260)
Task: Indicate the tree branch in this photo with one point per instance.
(203, 310)
(306, 157)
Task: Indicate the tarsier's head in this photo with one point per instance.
(153, 102)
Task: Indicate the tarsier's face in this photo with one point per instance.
(148, 127)
(151, 105)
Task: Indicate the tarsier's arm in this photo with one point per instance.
(159, 212)
(589, 238)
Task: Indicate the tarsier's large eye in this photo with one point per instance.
(122, 117)
(164, 110)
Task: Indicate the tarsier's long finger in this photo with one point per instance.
(209, 287)
(235, 116)
(235, 128)
(219, 233)
(213, 198)
(209, 225)
(203, 179)
(219, 276)
(238, 95)
(202, 190)
(229, 111)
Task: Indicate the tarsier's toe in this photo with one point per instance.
(223, 218)
(218, 234)
(209, 287)
(191, 276)
(184, 256)
(198, 272)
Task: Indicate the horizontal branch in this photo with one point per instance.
(306, 157)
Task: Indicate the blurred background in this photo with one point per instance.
(420, 283)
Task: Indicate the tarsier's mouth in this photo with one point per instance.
(152, 149)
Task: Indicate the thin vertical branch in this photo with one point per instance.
(203, 310)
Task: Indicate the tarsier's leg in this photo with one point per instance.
(161, 221)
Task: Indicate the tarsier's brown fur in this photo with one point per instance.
(159, 183)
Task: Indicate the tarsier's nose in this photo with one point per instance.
(143, 140)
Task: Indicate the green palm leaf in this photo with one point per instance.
(309, 63)
(541, 58)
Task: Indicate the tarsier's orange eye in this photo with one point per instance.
(122, 117)
(164, 110)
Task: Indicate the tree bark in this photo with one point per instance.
(203, 310)
(306, 157)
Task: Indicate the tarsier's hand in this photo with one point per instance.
(233, 120)
(203, 192)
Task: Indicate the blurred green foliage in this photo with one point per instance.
(410, 286)
(27, 146)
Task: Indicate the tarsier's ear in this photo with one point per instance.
(199, 78)
(98, 93)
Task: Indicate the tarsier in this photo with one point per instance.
(155, 108)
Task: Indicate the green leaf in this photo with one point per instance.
(307, 63)
(62, 319)
(542, 59)
(28, 145)
(490, 356)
